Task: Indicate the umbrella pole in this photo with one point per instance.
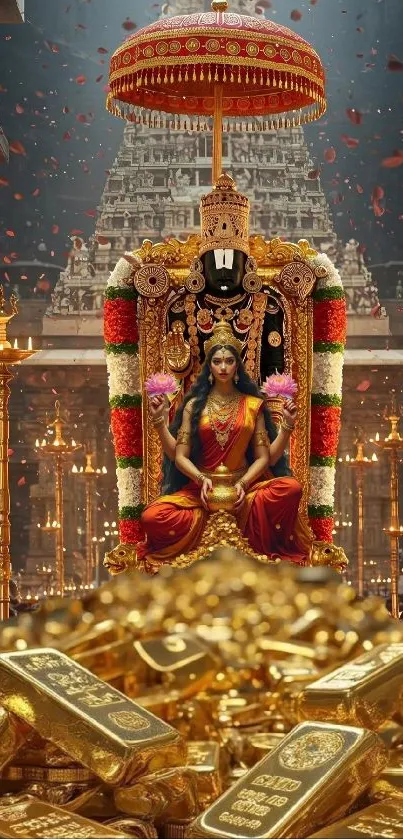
(217, 132)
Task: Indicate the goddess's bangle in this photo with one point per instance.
(159, 421)
(244, 484)
(200, 478)
(287, 427)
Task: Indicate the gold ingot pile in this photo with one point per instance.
(226, 700)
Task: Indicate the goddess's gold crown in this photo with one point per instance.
(222, 336)
(224, 214)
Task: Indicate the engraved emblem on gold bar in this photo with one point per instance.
(26, 816)
(355, 693)
(95, 724)
(315, 774)
(384, 819)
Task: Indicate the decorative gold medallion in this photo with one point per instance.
(274, 339)
(311, 750)
(152, 281)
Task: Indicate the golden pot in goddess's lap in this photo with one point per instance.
(223, 495)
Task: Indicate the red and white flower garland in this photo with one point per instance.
(121, 346)
(329, 337)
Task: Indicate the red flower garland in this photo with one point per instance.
(322, 528)
(329, 321)
(126, 424)
(120, 322)
(325, 430)
(131, 531)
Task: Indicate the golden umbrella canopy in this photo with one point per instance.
(246, 73)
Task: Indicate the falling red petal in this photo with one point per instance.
(36, 192)
(363, 386)
(313, 174)
(330, 155)
(354, 116)
(19, 109)
(21, 482)
(55, 228)
(81, 79)
(129, 25)
(4, 182)
(17, 148)
(392, 162)
(394, 63)
(351, 142)
(18, 196)
(90, 213)
(296, 14)
(99, 78)
(102, 50)
(378, 192)
(10, 233)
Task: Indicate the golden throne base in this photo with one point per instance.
(221, 531)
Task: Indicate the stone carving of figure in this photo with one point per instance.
(399, 290)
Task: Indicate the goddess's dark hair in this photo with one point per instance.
(173, 479)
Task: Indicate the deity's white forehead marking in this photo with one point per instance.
(223, 258)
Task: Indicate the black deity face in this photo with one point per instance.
(224, 271)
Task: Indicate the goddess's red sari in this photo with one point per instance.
(268, 518)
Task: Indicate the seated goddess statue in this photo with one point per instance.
(222, 315)
(223, 421)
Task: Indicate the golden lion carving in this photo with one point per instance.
(327, 554)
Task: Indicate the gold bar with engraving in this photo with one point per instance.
(180, 661)
(314, 775)
(384, 819)
(366, 691)
(204, 759)
(26, 816)
(95, 724)
(12, 734)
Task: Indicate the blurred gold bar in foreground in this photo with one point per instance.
(384, 819)
(315, 774)
(26, 816)
(95, 724)
(366, 691)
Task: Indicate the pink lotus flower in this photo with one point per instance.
(280, 384)
(160, 384)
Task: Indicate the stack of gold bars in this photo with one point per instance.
(227, 700)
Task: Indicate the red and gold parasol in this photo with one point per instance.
(239, 70)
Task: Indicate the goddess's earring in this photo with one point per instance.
(236, 378)
(251, 281)
(210, 378)
(195, 281)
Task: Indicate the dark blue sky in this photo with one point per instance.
(69, 140)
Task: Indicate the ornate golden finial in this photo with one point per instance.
(222, 336)
(219, 5)
(5, 318)
(57, 424)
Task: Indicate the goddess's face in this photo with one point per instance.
(223, 365)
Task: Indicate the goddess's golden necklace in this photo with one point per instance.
(222, 414)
